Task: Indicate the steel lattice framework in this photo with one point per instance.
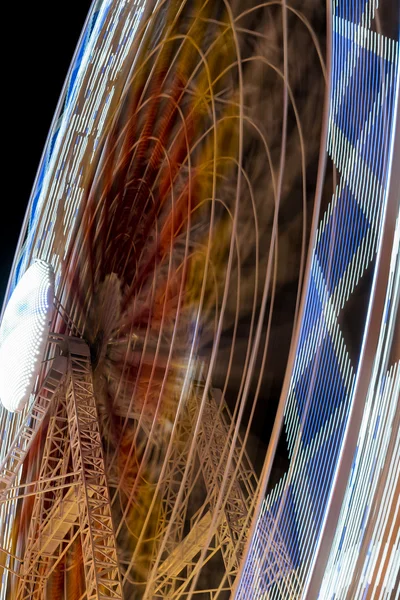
(72, 501)
(166, 205)
(174, 574)
(96, 529)
(16, 454)
(69, 503)
(54, 506)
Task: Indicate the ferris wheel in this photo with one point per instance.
(184, 224)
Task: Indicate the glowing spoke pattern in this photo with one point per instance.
(77, 128)
(323, 381)
(173, 204)
(364, 553)
(158, 209)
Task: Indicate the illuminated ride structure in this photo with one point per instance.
(165, 434)
(73, 439)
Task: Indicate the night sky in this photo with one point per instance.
(36, 66)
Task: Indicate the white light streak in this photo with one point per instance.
(23, 335)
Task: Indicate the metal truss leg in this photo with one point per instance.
(97, 534)
(47, 504)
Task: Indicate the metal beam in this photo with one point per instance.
(97, 534)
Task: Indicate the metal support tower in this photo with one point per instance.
(22, 442)
(214, 443)
(72, 498)
(11, 467)
(167, 581)
(44, 548)
(70, 502)
(181, 552)
(96, 528)
(174, 574)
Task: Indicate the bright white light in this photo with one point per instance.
(23, 334)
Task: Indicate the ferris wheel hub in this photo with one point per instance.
(24, 332)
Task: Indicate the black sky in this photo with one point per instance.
(38, 58)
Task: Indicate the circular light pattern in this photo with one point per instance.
(23, 334)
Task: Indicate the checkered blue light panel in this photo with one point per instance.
(364, 88)
(364, 80)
